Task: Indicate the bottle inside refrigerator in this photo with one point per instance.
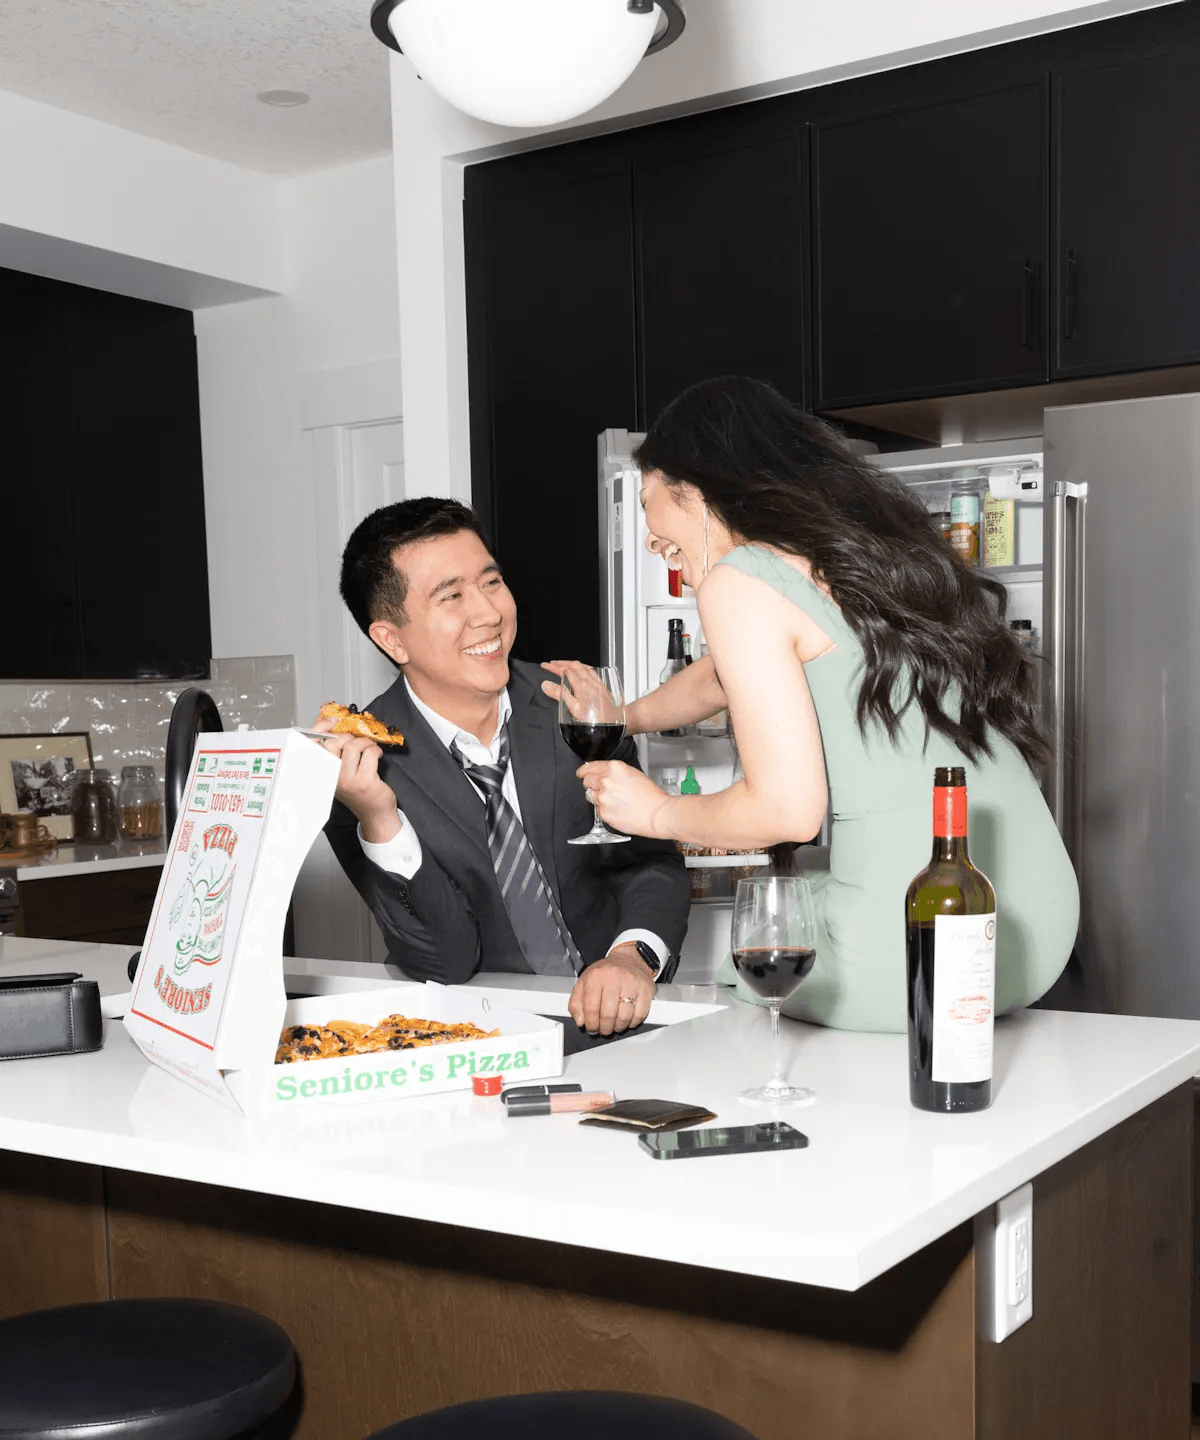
(1006, 473)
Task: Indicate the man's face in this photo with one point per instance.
(460, 622)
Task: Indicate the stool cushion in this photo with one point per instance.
(187, 1369)
(569, 1415)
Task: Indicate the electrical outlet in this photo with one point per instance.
(1004, 1256)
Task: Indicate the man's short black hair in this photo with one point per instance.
(372, 587)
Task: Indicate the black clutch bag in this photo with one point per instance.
(49, 1015)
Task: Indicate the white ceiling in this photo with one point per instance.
(188, 71)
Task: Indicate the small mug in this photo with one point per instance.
(18, 832)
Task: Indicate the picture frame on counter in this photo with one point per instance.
(35, 775)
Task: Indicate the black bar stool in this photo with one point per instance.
(579, 1414)
(141, 1369)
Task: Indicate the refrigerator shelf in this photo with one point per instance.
(1014, 574)
(723, 862)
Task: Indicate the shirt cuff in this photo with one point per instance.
(401, 855)
(627, 937)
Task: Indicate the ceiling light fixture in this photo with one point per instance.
(284, 99)
(526, 62)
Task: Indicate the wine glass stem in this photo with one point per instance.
(777, 1070)
(597, 823)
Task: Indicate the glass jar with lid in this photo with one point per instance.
(140, 803)
(94, 807)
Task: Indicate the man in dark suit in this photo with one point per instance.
(458, 841)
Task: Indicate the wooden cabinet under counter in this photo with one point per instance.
(105, 897)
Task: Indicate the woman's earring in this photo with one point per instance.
(705, 575)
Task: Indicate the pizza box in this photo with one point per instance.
(527, 1047)
(208, 1001)
(208, 996)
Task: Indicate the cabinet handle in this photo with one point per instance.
(1071, 318)
(1031, 320)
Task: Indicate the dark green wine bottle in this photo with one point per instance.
(950, 929)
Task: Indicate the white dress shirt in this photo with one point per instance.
(401, 855)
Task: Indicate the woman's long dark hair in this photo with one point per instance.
(775, 475)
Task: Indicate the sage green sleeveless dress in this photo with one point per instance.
(880, 796)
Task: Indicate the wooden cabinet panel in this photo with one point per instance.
(1128, 218)
(393, 1317)
(99, 410)
(42, 639)
(721, 258)
(53, 1234)
(553, 366)
(110, 908)
(930, 228)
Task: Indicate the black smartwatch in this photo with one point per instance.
(646, 951)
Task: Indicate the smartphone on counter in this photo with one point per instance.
(723, 1140)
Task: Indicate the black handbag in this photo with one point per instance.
(49, 1015)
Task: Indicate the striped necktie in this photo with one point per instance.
(541, 931)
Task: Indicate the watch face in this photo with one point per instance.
(648, 955)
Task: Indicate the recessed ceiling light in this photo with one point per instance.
(285, 99)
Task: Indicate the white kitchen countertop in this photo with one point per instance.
(80, 859)
(878, 1182)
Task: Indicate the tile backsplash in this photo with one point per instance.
(128, 720)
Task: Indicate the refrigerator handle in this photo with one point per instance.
(1063, 691)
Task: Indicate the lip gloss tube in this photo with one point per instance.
(558, 1104)
(562, 1089)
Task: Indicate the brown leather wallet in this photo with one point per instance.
(49, 1015)
(648, 1115)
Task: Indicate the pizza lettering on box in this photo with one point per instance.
(208, 996)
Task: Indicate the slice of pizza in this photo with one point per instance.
(350, 720)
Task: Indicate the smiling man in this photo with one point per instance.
(458, 841)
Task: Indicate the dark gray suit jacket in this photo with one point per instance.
(449, 920)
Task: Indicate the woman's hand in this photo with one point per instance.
(626, 799)
(584, 681)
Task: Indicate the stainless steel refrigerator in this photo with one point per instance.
(1121, 691)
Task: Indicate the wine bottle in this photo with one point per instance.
(950, 930)
(675, 660)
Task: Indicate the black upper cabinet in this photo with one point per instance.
(721, 261)
(1128, 222)
(931, 242)
(100, 407)
(551, 344)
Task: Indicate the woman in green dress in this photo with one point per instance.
(854, 653)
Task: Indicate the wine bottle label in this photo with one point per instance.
(964, 985)
(949, 811)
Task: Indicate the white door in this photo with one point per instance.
(356, 468)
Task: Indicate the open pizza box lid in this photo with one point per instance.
(208, 1001)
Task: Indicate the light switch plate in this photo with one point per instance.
(1004, 1260)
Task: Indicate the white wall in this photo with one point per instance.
(284, 381)
(731, 50)
(88, 202)
(325, 352)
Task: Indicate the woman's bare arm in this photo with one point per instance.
(756, 637)
(694, 694)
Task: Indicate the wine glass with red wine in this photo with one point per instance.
(591, 716)
(774, 945)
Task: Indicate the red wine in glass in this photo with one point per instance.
(773, 940)
(591, 716)
(774, 972)
(598, 741)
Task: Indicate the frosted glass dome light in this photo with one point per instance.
(526, 62)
